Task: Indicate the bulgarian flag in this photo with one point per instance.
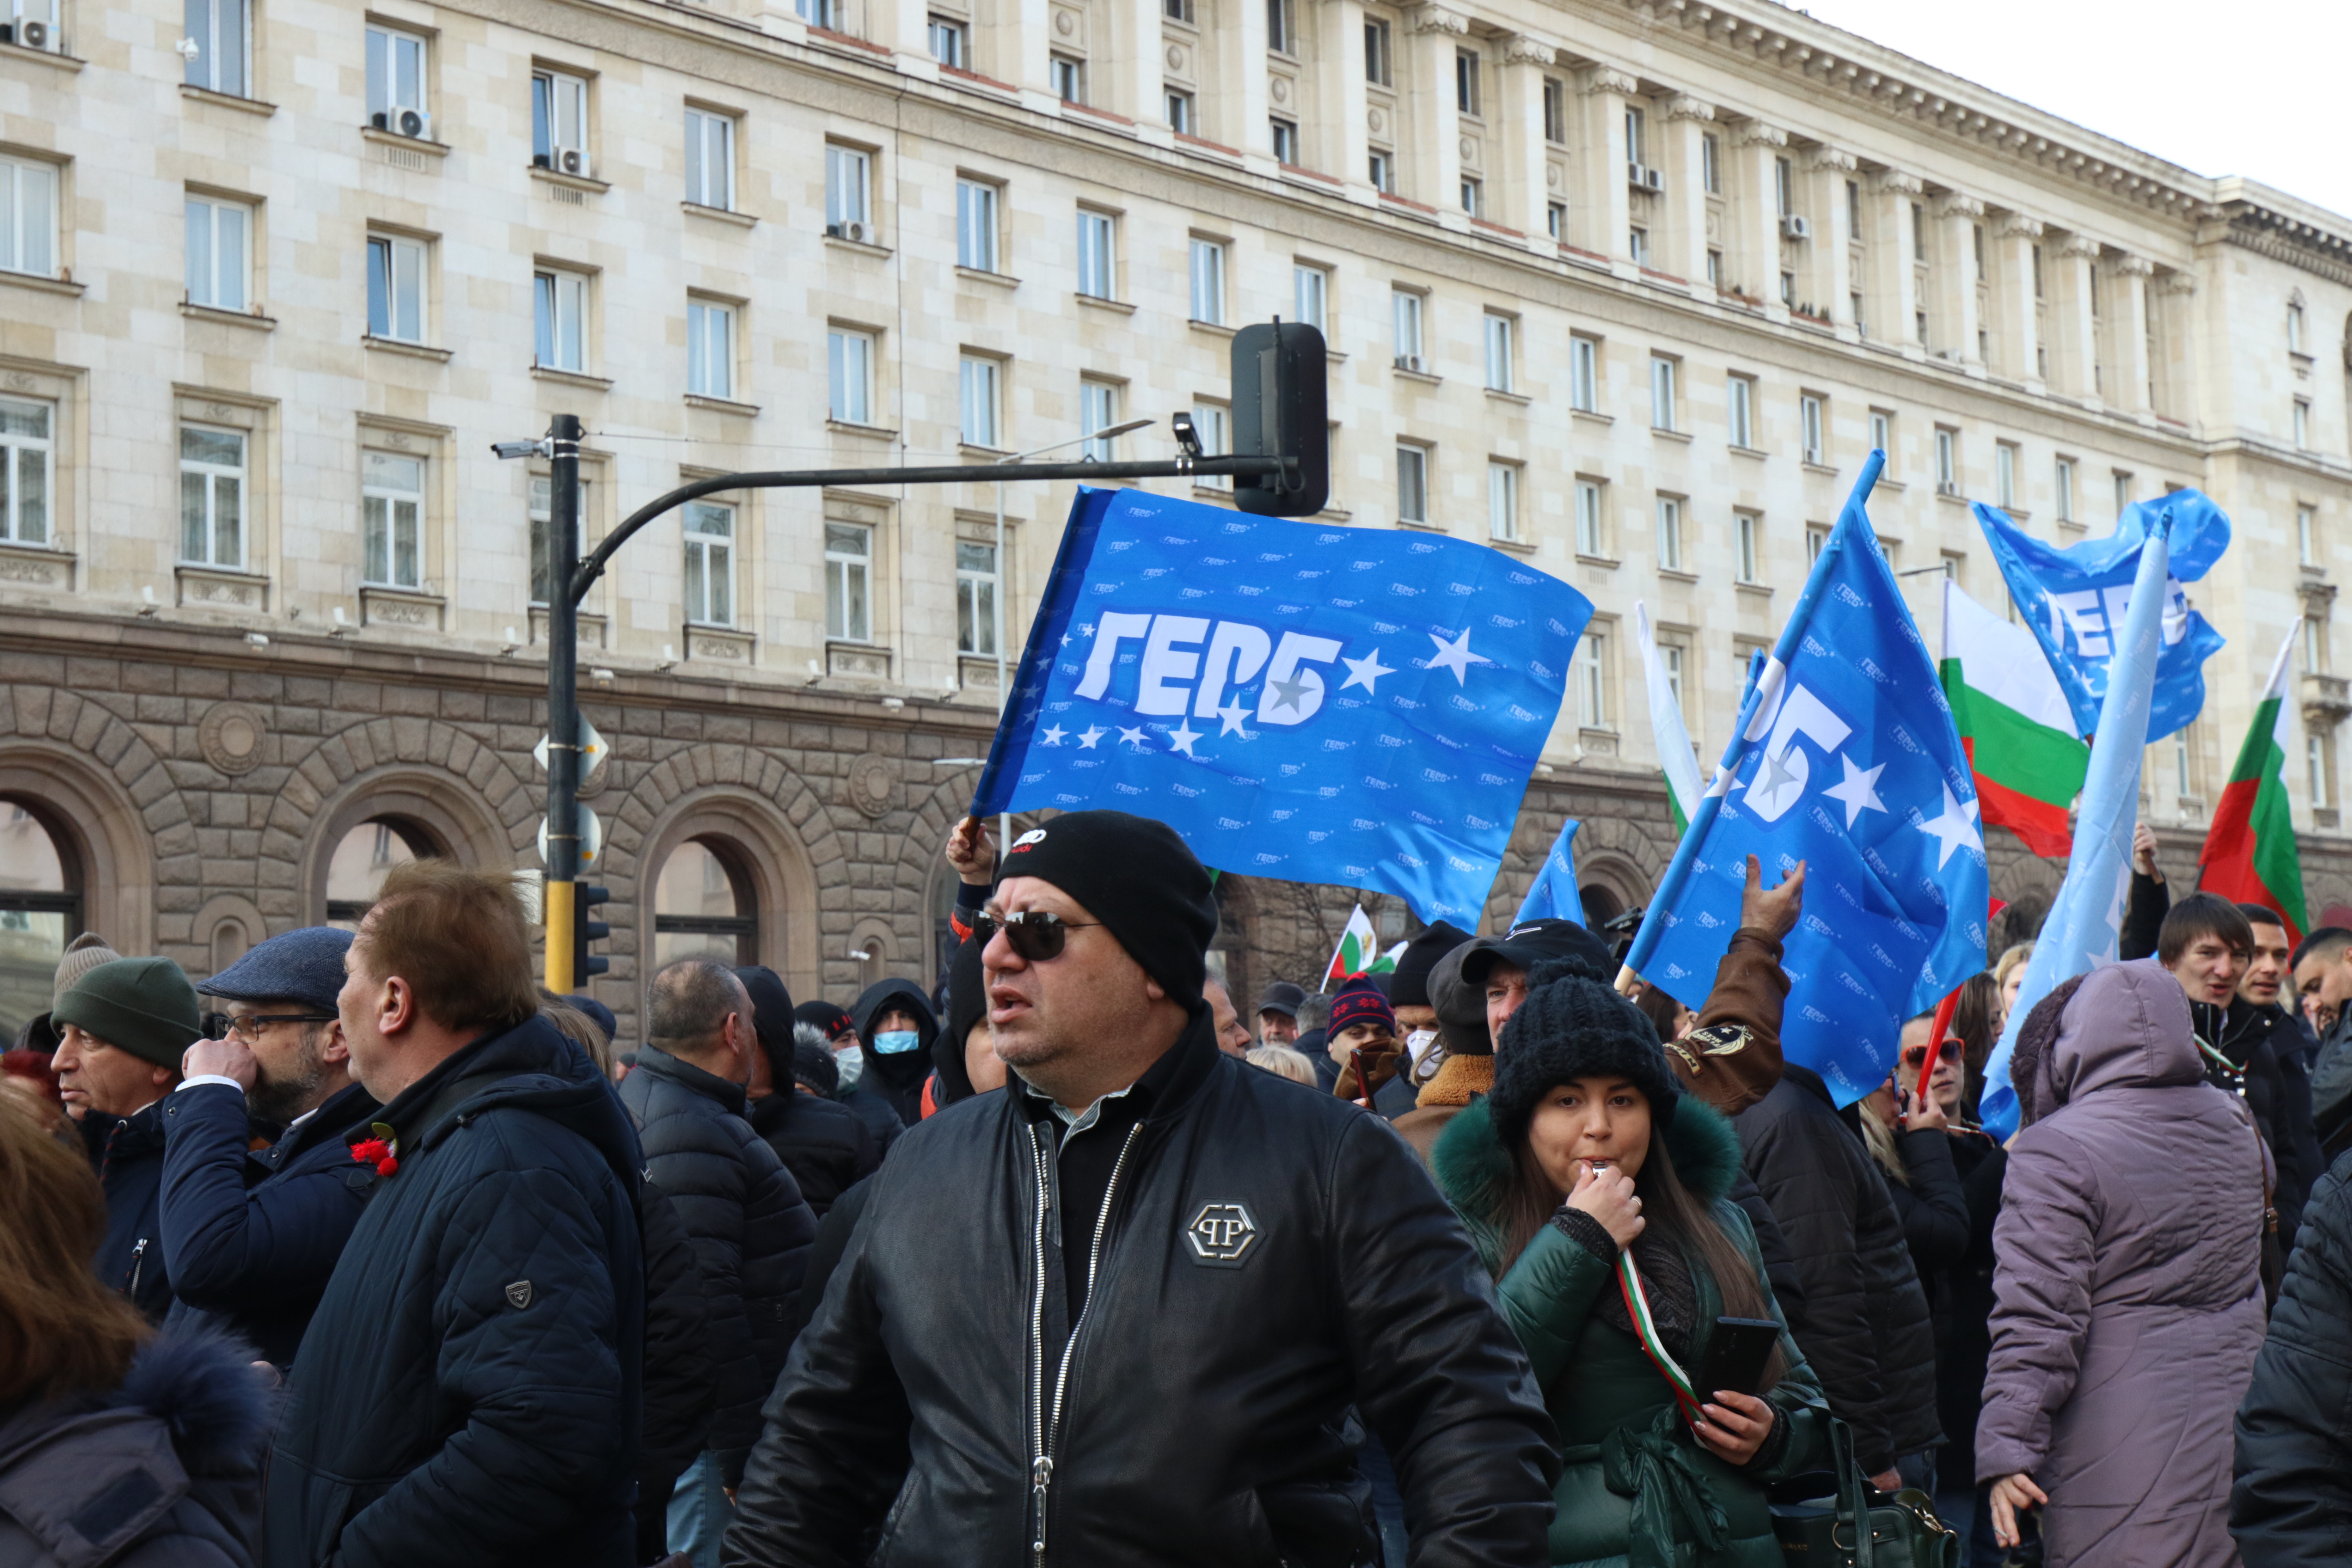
(1358, 951)
(2015, 724)
(2249, 856)
(1672, 736)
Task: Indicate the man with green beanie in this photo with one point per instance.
(124, 1027)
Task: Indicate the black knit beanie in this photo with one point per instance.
(1573, 1027)
(1408, 986)
(1140, 880)
(967, 1005)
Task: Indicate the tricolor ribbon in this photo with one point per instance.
(1646, 1329)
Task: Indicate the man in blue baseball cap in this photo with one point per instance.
(250, 1235)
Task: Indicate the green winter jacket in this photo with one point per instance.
(1636, 1490)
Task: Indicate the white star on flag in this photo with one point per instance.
(1857, 791)
(1233, 714)
(1956, 826)
(1134, 737)
(1094, 732)
(1364, 671)
(1053, 737)
(1457, 657)
(1182, 738)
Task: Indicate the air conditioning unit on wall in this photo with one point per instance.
(1793, 226)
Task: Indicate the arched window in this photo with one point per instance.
(704, 904)
(40, 912)
(365, 856)
(1601, 906)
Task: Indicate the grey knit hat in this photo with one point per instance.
(143, 1005)
(84, 954)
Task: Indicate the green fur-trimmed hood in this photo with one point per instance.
(1471, 1163)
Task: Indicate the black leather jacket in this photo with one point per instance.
(1267, 1258)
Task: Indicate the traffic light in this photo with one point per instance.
(587, 929)
(1281, 410)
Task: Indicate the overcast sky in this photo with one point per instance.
(2248, 87)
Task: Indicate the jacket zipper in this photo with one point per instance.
(1041, 1472)
(138, 1261)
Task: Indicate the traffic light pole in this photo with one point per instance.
(562, 705)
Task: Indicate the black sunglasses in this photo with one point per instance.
(220, 1026)
(1035, 934)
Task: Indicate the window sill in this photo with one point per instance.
(1677, 575)
(974, 274)
(227, 101)
(204, 587)
(717, 215)
(1214, 328)
(1590, 417)
(1116, 307)
(870, 432)
(1825, 469)
(857, 660)
(1758, 589)
(1609, 561)
(1497, 395)
(41, 57)
(1682, 435)
(410, 608)
(985, 454)
(414, 350)
(716, 644)
(1954, 497)
(1894, 487)
(251, 320)
(65, 286)
(1514, 546)
(36, 565)
(570, 182)
(1423, 525)
(1756, 452)
(572, 378)
(722, 405)
(1419, 375)
(411, 143)
(835, 242)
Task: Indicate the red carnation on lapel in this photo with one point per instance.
(378, 1151)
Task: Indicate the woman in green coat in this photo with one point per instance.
(1584, 1156)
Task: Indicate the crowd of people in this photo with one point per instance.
(371, 1251)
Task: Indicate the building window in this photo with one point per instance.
(1637, 245)
(1812, 426)
(1748, 546)
(362, 859)
(2295, 329)
(2122, 491)
(1918, 325)
(848, 579)
(1380, 168)
(560, 321)
(1097, 410)
(391, 504)
(1918, 233)
(1284, 136)
(1311, 295)
(1413, 482)
(1466, 81)
(1500, 333)
(849, 375)
(1592, 681)
(711, 563)
(848, 182)
(1502, 501)
(1098, 254)
(1379, 67)
(395, 76)
(1637, 135)
(951, 42)
(1670, 533)
(1715, 269)
(1589, 538)
(40, 909)
(1784, 179)
(2314, 645)
(559, 121)
(704, 907)
(1555, 111)
(978, 378)
(1474, 197)
(1882, 432)
(1281, 29)
(1740, 411)
(1711, 163)
(396, 288)
(710, 159)
(976, 225)
(710, 349)
(212, 497)
(217, 29)
(2306, 535)
(1556, 220)
(1817, 539)
(2063, 479)
(1177, 10)
(975, 598)
(1948, 461)
(1209, 281)
(2004, 475)
(1854, 305)
(1662, 392)
(1584, 375)
(2303, 424)
(1211, 423)
(2315, 759)
(818, 13)
(28, 217)
(1853, 211)
(28, 454)
(1405, 305)
(219, 240)
(542, 508)
(1069, 75)
(1180, 111)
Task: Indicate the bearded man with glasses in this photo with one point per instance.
(252, 1225)
(1141, 1307)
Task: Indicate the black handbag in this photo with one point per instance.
(1903, 1531)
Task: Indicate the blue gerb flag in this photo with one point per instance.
(2075, 600)
(1315, 703)
(1553, 894)
(1845, 757)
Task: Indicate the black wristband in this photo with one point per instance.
(1589, 1232)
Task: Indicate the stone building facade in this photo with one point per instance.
(1626, 289)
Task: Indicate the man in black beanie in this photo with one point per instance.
(1081, 1318)
(1416, 1017)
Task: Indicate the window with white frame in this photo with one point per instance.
(848, 582)
(559, 121)
(1671, 658)
(1711, 163)
(825, 14)
(2314, 645)
(849, 375)
(975, 598)
(1466, 95)
(1413, 482)
(1380, 65)
(27, 469)
(2122, 491)
(1748, 546)
(1501, 333)
(396, 75)
(1097, 410)
(710, 159)
(1740, 411)
(711, 563)
(979, 379)
(1817, 539)
(1474, 197)
(1637, 245)
(2306, 535)
(1948, 461)
(1209, 281)
(1882, 432)
(391, 508)
(212, 497)
(1784, 182)
(1556, 220)
(951, 41)
(221, 33)
(976, 223)
(1591, 540)
(1405, 308)
(560, 320)
(1212, 423)
(1069, 75)
(1812, 426)
(1283, 140)
(1670, 533)
(710, 349)
(28, 217)
(1098, 254)
(2062, 478)
(2317, 751)
(1637, 135)
(2295, 329)
(1502, 501)
(1584, 375)
(1281, 27)
(848, 192)
(2302, 420)
(395, 289)
(219, 248)
(2004, 475)
(1380, 168)
(1311, 292)
(1592, 681)
(542, 509)
(1555, 111)
(1179, 109)
(1663, 377)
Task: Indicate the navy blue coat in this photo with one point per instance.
(250, 1238)
(469, 1391)
(131, 1169)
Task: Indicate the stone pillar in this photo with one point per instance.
(1433, 170)
(2128, 321)
(1126, 36)
(1017, 48)
(1753, 253)
(2017, 335)
(1244, 91)
(1893, 291)
(1678, 239)
(2074, 333)
(1337, 139)
(2175, 369)
(1515, 186)
(1828, 276)
(1600, 211)
(1953, 312)
(904, 28)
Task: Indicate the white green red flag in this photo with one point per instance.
(1358, 951)
(2250, 855)
(2015, 724)
(1676, 760)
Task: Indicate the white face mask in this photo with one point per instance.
(850, 1062)
(1420, 1043)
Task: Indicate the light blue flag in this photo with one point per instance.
(2087, 918)
(1553, 894)
(1845, 757)
(1320, 704)
(2074, 600)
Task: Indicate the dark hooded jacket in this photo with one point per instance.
(966, 1008)
(469, 1392)
(2291, 1505)
(896, 1077)
(680, 1376)
(2265, 1046)
(162, 1472)
(821, 1141)
(868, 1106)
(130, 1155)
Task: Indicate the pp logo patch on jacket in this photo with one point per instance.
(1220, 1235)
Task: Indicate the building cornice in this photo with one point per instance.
(2283, 237)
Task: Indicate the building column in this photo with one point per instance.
(2074, 331)
(1338, 139)
(904, 27)
(2016, 334)
(1245, 90)
(1015, 49)
(1679, 237)
(1519, 149)
(1828, 276)
(1753, 253)
(1433, 175)
(1600, 210)
(1127, 46)
(2176, 338)
(1894, 288)
(2132, 369)
(1954, 311)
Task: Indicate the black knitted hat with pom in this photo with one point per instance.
(1573, 1026)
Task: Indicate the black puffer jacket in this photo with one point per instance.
(898, 1077)
(130, 1168)
(750, 1227)
(2265, 1046)
(821, 1141)
(2292, 1504)
(680, 1377)
(1866, 1328)
(1268, 1256)
(1965, 1305)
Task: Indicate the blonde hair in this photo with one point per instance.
(2011, 958)
(1283, 1062)
(578, 1027)
(1880, 1139)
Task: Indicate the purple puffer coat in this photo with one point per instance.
(2129, 1300)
